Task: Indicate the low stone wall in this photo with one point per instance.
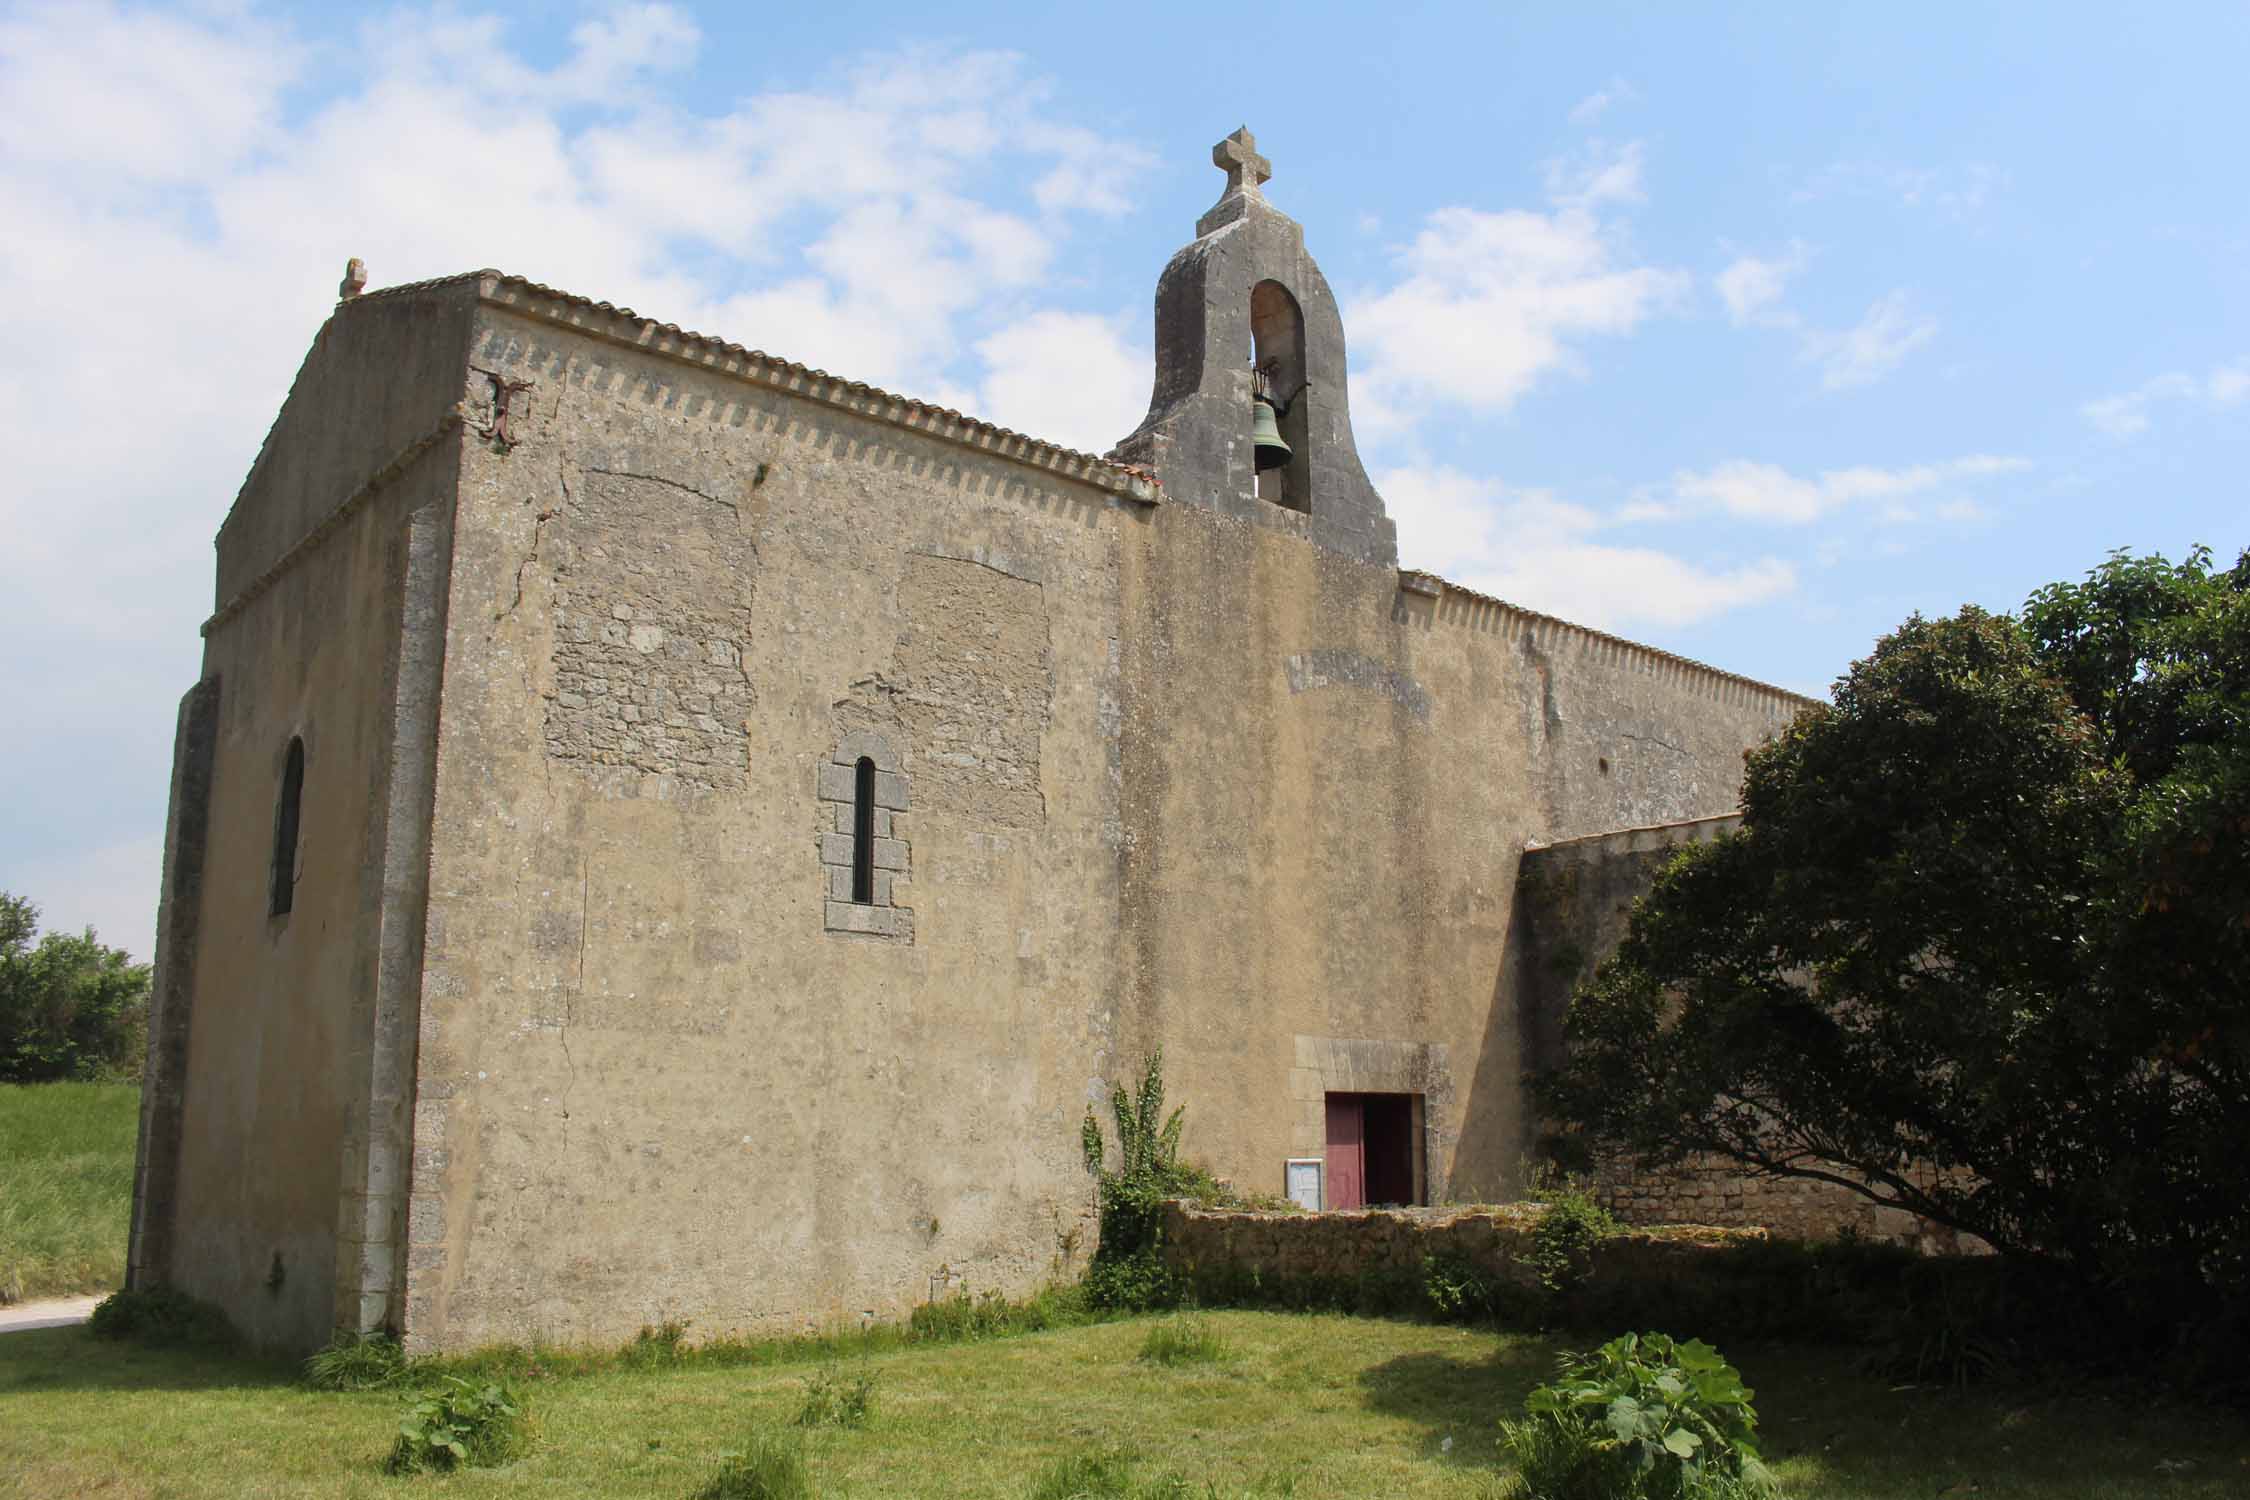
(1793, 1208)
(1790, 1207)
(1348, 1246)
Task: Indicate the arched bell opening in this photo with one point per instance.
(1279, 409)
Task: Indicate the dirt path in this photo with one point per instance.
(53, 1312)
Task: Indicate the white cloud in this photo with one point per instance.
(150, 98)
(1069, 377)
(2128, 414)
(1766, 492)
(1861, 355)
(1532, 549)
(1599, 173)
(1752, 288)
(1591, 108)
(174, 217)
(1489, 303)
(1961, 192)
(1094, 174)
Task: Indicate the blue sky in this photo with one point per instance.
(1742, 331)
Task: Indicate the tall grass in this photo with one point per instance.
(1185, 1341)
(66, 1186)
(769, 1468)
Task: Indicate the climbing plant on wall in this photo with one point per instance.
(1128, 1268)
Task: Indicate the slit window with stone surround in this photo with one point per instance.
(865, 859)
(281, 892)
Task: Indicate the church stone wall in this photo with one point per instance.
(654, 1081)
(275, 1011)
(586, 630)
(1331, 771)
(375, 386)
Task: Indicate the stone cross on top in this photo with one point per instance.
(1238, 157)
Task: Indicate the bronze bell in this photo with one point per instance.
(1268, 450)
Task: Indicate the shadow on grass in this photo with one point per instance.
(1460, 1398)
(72, 1359)
(1835, 1430)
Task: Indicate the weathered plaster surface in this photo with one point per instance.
(1341, 862)
(652, 1083)
(280, 1095)
(171, 1006)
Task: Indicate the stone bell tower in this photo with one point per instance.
(1246, 298)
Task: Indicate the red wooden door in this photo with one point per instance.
(1347, 1152)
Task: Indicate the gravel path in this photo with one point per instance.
(54, 1312)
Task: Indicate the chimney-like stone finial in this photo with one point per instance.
(355, 279)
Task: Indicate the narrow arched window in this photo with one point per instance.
(284, 876)
(863, 831)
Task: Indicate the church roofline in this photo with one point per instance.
(621, 325)
(1697, 827)
(1421, 581)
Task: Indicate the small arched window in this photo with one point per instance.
(863, 831)
(864, 855)
(283, 880)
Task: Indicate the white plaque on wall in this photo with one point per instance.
(1303, 1175)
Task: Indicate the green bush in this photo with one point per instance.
(1185, 1341)
(1140, 1282)
(357, 1362)
(1459, 1290)
(771, 1467)
(460, 1425)
(163, 1318)
(1641, 1418)
(833, 1399)
(1563, 1241)
(70, 1008)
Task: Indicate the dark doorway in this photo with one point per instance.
(1370, 1149)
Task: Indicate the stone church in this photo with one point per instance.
(666, 832)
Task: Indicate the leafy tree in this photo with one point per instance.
(1981, 948)
(69, 1007)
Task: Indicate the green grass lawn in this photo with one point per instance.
(1291, 1405)
(66, 1186)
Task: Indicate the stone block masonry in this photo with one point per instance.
(650, 633)
(836, 787)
